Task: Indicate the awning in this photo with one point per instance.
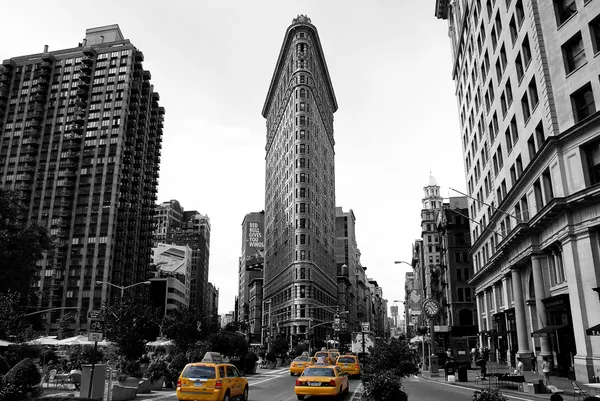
(593, 331)
(543, 332)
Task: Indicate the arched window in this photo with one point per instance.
(302, 93)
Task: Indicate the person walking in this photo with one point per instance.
(533, 359)
(546, 371)
(519, 370)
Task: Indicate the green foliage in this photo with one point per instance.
(489, 394)
(64, 325)
(181, 327)
(18, 352)
(4, 367)
(130, 324)
(21, 245)
(47, 355)
(280, 346)
(196, 352)
(84, 354)
(396, 357)
(250, 361)
(383, 386)
(156, 370)
(176, 366)
(22, 379)
(271, 357)
(13, 323)
(229, 344)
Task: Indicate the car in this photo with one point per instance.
(334, 353)
(329, 359)
(349, 364)
(321, 379)
(299, 363)
(212, 379)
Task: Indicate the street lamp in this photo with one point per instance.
(401, 261)
(268, 302)
(122, 288)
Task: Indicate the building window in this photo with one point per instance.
(519, 68)
(592, 152)
(563, 10)
(533, 93)
(525, 107)
(526, 50)
(595, 34)
(574, 53)
(513, 30)
(583, 103)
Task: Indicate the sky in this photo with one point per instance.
(212, 63)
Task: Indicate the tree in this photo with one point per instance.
(21, 245)
(130, 323)
(64, 325)
(229, 344)
(13, 324)
(182, 327)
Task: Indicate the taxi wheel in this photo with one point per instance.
(245, 395)
(300, 397)
(291, 374)
(226, 397)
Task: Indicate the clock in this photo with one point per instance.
(431, 307)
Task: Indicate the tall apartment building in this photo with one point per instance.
(250, 273)
(526, 85)
(176, 226)
(410, 320)
(299, 273)
(170, 286)
(80, 138)
(347, 258)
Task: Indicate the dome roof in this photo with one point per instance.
(432, 181)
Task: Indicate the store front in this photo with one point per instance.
(511, 337)
(500, 337)
(560, 333)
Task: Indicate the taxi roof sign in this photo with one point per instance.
(213, 357)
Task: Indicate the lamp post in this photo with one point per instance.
(268, 302)
(122, 288)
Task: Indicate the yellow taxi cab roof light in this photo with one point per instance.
(212, 357)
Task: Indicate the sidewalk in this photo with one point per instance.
(563, 384)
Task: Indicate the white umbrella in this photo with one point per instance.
(160, 343)
(76, 340)
(48, 340)
(4, 343)
(418, 339)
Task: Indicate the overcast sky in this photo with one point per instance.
(212, 62)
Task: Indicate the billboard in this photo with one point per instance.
(254, 243)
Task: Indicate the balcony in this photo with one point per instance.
(29, 149)
(46, 66)
(31, 141)
(71, 145)
(71, 155)
(81, 84)
(75, 128)
(87, 60)
(72, 136)
(64, 184)
(68, 164)
(64, 193)
(82, 92)
(36, 115)
(24, 177)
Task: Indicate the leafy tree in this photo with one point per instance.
(23, 378)
(396, 357)
(229, 344)
(21, 245)
(13, 324)
(181, 326)
(129, 323)
(64, 325)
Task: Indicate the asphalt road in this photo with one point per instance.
(278, 385)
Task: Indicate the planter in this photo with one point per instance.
(271, 365)
(279, 362)
(158, 384)
(130, 382)
(123, 393)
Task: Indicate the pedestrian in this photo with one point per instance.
(533, 359)
(546, 371)
(519, 371)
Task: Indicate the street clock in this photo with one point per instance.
(431, 307)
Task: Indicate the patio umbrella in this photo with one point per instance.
(160, 343)
(4, 343)
(76, 340)
(48, 340)
(418, 339)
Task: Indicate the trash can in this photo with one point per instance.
(449, 371)
(463, 375)
(98, 381)
(536, 385)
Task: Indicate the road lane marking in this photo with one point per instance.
(159, 397)
(355, 392)
(264, 381)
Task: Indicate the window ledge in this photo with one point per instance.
(567, 20)
(576, 69)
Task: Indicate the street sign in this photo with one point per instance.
(96, 332)
(95, 315)
(336, 326)
(366, 327)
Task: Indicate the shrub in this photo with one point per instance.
(489, 395)
(383, 386)
(271, 357)
(84, 354)
(156, 370)
(22, 379)
(16, 353)
(250, 361)
(176, 366)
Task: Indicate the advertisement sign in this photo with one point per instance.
(254, 243)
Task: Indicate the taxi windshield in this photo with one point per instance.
(303, 359)
(199, 372)
(325, 372)
(346, 359)
(323, 354)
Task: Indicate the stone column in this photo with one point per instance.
(540, 293)
(523, 342)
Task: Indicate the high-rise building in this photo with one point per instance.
(347, 258)
(526, 82)
(299, 273)
(250, 272)
(80, 138)
(171, 282)
(174, 225)
(432, 204)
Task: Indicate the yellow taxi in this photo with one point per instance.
(329, 359)
(299, 363)
(334, 353)
(321, 379)
(349, 364)
(211, 379)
